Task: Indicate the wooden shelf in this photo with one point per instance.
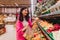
(15, 6)
(14, 2)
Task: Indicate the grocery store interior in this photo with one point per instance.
(45, 13)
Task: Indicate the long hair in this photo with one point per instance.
(21, 15)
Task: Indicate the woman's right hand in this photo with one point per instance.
(24, 28)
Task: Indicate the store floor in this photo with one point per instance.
(10, 33)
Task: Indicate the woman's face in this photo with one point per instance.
(25, 12)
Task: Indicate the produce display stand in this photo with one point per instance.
(49, 37)
(2, 29)
(52, 17)
(49, 16)
(2, 24)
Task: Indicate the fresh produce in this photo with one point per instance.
(37, 33)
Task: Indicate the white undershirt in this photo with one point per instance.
(25, 22)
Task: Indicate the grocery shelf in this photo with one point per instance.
(21, 5)
(49, 37)
(51, 15)
(51, 7)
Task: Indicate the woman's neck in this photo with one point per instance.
(24, 16)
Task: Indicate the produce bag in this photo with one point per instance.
(28, 34)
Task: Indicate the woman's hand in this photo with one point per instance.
(24, 29)
(35, 20)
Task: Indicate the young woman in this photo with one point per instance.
(23, 22)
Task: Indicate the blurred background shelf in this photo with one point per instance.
(51, 15)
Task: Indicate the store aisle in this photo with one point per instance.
(10, 33)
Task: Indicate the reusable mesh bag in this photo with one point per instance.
(28, 33)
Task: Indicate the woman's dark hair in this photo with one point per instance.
(21, 15)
